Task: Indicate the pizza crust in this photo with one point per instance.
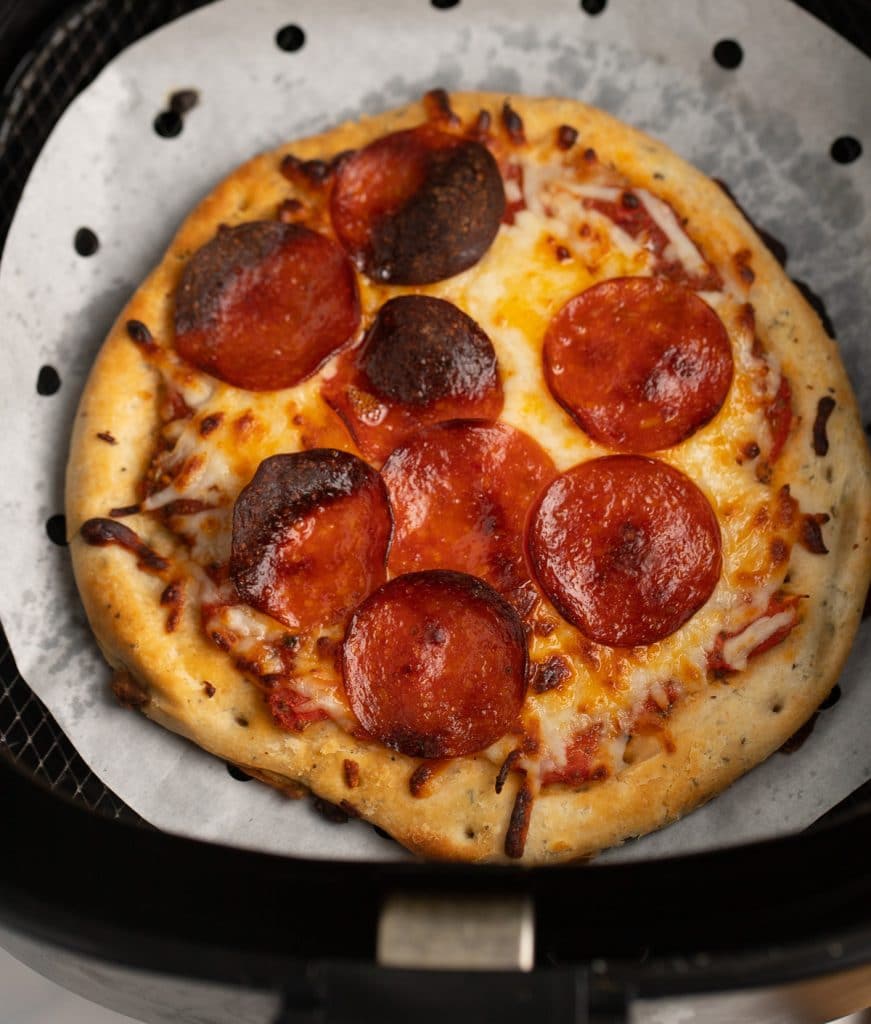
(716, 735)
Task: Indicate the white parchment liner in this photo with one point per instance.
(765, 128)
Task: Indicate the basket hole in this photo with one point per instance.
(48, 381)
(845, 149)
(86, 242)
(593, 6)
(728, 54)
(776, 707)
(168, 124)
(290, 38)
(470, 832)
(444, 5)
(56, 528)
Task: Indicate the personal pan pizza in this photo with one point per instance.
(477, 468)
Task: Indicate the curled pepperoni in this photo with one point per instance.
(310, 536)
(418, 206)
(638, 362)
(422, 361)
(627, 548)
(460, 492)
(435, 664)
(263, 304)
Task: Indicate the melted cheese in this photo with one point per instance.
(513, 293)
(737, 649)
(680, 245)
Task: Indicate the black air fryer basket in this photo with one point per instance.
(170, 929)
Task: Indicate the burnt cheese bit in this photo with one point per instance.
(418, 783)
(312, 173)
(437, 104)
(513, 124)
(210, 423)
(825, 407)
(420, 349)
(351, 773)
(566, 136)
(741, 259)
(173, 598)
(102, 532)
(811, 535)
(123, 511)
(505, 768)
(309, 172)
(139, 333)
(518, 825)
(481, 127)
(289, 210)
(550, 674)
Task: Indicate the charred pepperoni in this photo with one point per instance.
(263, 304)
(435, 665)
(310, 536)
(418, 206)
(422, 361)
(638, 362)
(460, 492)
(627, 548)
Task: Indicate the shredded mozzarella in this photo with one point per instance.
(737, 649)
(664, 218)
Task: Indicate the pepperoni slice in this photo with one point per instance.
(263, 304)
(435, 665)
(422, 361)
(627, 548)
(418, 206)
(460, 492)
(310, 536)
(638, 362)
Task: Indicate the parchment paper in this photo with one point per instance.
(765, 128)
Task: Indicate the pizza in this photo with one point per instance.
(476, 468)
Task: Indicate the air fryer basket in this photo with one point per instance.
(91, 897)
